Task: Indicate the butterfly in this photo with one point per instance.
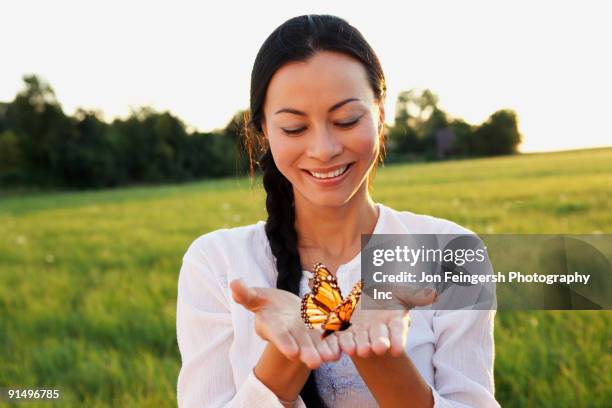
(324, 306)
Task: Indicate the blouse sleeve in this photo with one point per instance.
(204, 334)
(463, 360)
(465, 347)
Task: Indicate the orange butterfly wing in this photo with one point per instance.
(346, 309)
(311, 312)
(325, 289)
(324, 306)
(325, 296)
(339, 318)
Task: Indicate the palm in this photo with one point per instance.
(278, 321)
(382, 330)
(280, 310)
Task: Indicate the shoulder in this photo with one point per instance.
(229, 253)
(476, 319)
(426, 224)
(223, 244)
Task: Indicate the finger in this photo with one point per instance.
(362, 343)
(332, 342)
(397, 327)
(248, 297)
(286, 344)
(347, 342)
(426, 297)
(323, 347)
(379, 338)
(411, 298)
(308, 352)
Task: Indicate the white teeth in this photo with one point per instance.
(335, 173)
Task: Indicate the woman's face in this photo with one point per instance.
(322, 123)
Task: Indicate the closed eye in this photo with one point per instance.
(293, 131)
(345, 125)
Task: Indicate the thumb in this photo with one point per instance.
(411, 298)
(246, 296)
(426, 297)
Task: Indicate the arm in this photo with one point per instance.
(465, 346)
(292, 349)
(204, 335)
(463, 364)
(287, 386)
(391, 379)
(376, 342)
(464, 358)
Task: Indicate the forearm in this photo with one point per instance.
(282, 376)
(394, 381)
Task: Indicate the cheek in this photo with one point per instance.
(285, 153)
(364, 141)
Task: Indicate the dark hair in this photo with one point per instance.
(297, 39)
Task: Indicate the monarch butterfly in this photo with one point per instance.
(324, 306)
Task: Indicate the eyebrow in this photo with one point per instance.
(333, 108)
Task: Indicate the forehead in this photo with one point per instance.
(319, 82)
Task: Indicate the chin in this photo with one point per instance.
(331, 203)
(329, 199)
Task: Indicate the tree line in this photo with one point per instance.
(42, 146)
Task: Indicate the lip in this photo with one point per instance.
(327, 170)
(333, 180)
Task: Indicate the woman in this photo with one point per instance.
(317, 114)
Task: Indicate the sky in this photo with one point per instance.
(547, 60)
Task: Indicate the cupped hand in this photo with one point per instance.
(378, 331)
(277, 320)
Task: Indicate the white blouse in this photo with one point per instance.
(453, 350)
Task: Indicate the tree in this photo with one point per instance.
(464, 143)
(11, 158)
(498, 135)
(41, 127)
(41, 145)
(87, 159)
(402, 136)
(429, 128)
(210, 155)
(417, 119)
(171, 137)
(416, 107)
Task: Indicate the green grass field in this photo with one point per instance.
(88, 280)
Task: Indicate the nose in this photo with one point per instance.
(324, 145)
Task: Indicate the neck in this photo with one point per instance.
(336, 230)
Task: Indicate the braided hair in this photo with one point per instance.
(297, 39)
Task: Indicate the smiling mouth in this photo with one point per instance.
(330, 175)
